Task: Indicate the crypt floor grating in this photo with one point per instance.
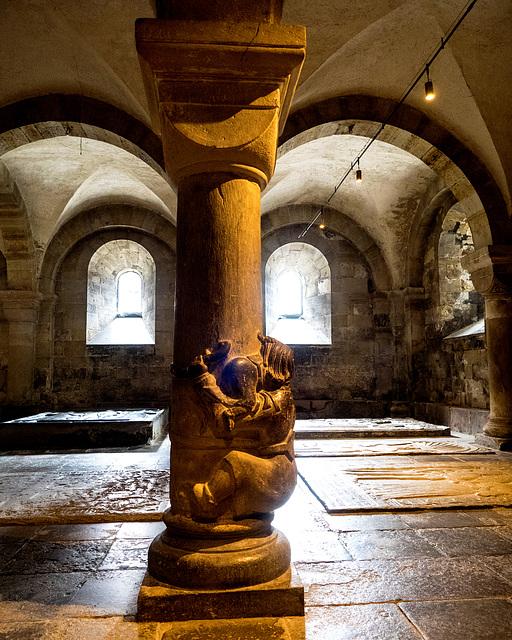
(425, 574)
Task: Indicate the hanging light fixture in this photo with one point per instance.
(322, 221)
(359, 173)
(429, 87)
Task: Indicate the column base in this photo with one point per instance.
(500, 444)
(186, 559)
(279, 598)
(498, 428)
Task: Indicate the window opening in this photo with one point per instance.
(129, 295)
(289, 295)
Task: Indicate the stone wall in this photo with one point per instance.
(453, 370)
(355, 371)
(76, 375)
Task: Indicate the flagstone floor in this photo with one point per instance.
(418, 575)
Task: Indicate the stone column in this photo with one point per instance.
(220, 89)
(408, 309)
(21, 309)
(491, 272)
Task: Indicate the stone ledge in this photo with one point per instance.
(282, 597)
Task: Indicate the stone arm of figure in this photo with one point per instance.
(243, 403)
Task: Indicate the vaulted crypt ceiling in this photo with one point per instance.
(75, 130)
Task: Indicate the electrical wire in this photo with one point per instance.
(444, 40)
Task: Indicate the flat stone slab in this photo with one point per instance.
(330, 428)
(104, 486)
(399, 483)
(385, 447)
(84, 429)
(282, 597)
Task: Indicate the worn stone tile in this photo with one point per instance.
(501, 564)
(23, 631)
(127, 554)
(50, 557)
(359, 622)
(467, 541)
(379, 545)
(492, 517)
(64, 532)
(140, 529)
(385, 581)
(241, 628)
(485, 619)
(111, 593)
(318, 546)
(112, 628)
(14, 533)
(8, 551)
(378, 521)
(439, 519)
(43, 590)
(504, 531)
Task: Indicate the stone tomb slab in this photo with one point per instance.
(385, 447)
(331, 428)
(406, 483)
(84, 429)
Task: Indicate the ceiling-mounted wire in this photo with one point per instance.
(425, 67)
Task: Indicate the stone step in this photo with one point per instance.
(333, 428)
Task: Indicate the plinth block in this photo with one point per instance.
(282, 597)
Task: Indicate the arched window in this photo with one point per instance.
(121, 295)
(460, 308)
(289, 295)
(298, 295)
(129, 295)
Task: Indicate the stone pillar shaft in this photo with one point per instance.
(218, 280)
(491, 272)
(21, 309)
(498, 331)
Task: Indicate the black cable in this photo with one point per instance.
(455, 25)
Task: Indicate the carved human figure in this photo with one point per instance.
(249, 405)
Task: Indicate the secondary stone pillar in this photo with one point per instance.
(220, 85)
(491, 272)
(21, 309)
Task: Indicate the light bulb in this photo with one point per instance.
(429, 90)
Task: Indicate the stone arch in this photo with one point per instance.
(80, 381)
(430, 142)
(101, 218)
(290, 221)
(421, 229)
(16, 234)
(108, 268)
(50, 116)
(310, 322)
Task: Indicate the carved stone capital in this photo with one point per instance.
(220, 92)
(20, 305)
(491, 270)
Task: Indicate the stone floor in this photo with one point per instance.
(434, 575)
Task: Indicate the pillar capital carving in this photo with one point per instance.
(491, 270)
(220, 92)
